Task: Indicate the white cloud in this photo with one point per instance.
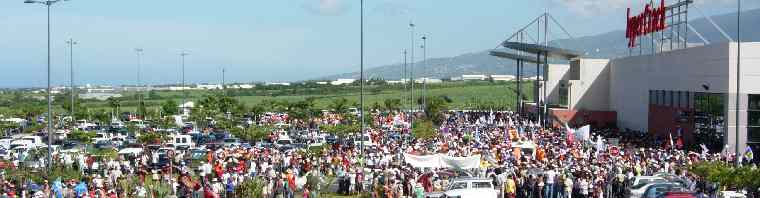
(391, 8)
(326, 7)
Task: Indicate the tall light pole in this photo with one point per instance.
(71, 44)
(403, 78)
(361, 78)
(50, 106)
(411, 73)
(139, 52)
(738, 76)
(424, 65)
(223, 77)
(184, 94)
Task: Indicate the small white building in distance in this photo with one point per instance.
(343, 81)
(323, 83)
(503, 77)
(427, 80)
(279, 83)
(179, 88)
(241, 86)
(474, 77)
(210, 87)
(400, 81)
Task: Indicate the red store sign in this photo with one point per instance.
(650, 21)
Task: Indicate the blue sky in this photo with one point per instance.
(262, 40)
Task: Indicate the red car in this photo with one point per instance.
(680, 194)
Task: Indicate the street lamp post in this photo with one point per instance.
(184, 94)
(403, 81)
(361, 78)
(139, 52)
(738, 78)
(424, 65)
(50, 106)
(411, 75)
(71, 44)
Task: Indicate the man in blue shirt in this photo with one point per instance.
(81, 189)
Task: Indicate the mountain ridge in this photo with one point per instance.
(610, 44)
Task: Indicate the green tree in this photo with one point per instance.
(169, 107)
(392, 104)
(250, 188)
(342, 130)
(153, 95)
(84, 137)
(339, 105)
(151, 138)
(7, 126)
(424, 129)
(102, 117)
(435, 108)
(114, 103)
(141, 110)
(253, 133)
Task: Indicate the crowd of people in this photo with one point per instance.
(555, 164)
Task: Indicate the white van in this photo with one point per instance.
(102, 137)
(84, 125)
(5, 143)
(182, 141)
(36, 141)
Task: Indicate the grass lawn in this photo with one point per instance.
(464, 95)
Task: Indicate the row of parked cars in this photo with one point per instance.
(664, 185)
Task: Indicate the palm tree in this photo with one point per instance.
(435, 107)
(339, 105)
(392, 104)
(114, 103)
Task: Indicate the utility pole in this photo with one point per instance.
(411, 74)
(361, 79)
(738, 78)
(48, 4)
(71, 44)
(424, 69)
(139, 51)
(403, 81)
(184, 93)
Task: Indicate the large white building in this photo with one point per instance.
(690, 93)
(342, 81)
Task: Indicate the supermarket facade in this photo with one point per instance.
(688, 93)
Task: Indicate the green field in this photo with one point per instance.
(463, 95)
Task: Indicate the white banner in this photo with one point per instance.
(442, 161)
(419, 161)
(583, 133)
(471, 162)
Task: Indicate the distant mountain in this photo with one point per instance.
(605, 45)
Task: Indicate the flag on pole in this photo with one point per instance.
(570, 134)
(584, 133)
(748, 154)
(704, 149)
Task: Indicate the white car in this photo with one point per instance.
(647, 179)
(647, 189)
(471, 188)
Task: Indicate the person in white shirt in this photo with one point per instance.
(584, 185)
(549, 187)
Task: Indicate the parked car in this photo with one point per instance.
(647, 179)
(678, 194)
(198, 154)
(647, 190)
(468, 187)
(104, 144)
(231, 142)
